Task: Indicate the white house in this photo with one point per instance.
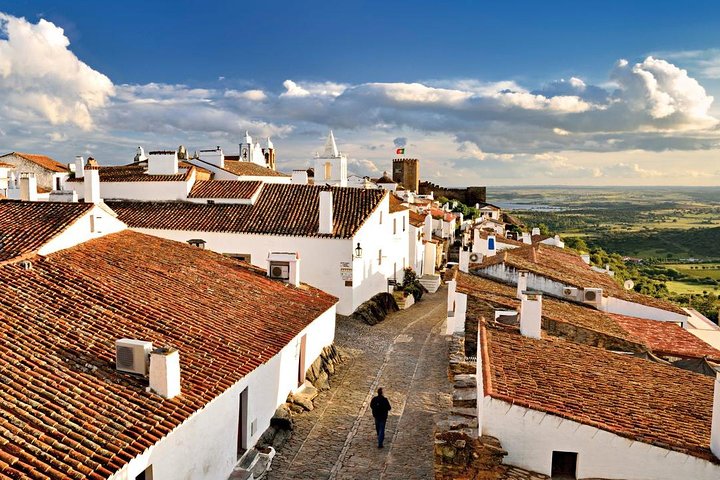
(50, 174)
(561, 408)
(349, 241)
(564, 274)
(330, 166)
(85, 311)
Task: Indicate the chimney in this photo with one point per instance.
(585, 258)
(326, 212)
(165, 372)
(79, 166)
(28, 187)
(91, 179)
(536, 231)
(526, 238)
(531, 314)
(715, 428)
(214, 157)
(427, 228)
(299, 177)
(464, 264)
(284, 266)
(163, 162)
(521, 283)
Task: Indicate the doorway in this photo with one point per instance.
(564, 465)
(242, 423)
(301, 361)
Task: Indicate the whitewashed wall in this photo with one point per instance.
(145, 191)
(204, 447)
(530, 437)
(416, 249)
(80, 231)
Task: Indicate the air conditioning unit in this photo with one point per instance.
(280, 270)
(474, 257)
(570, 292)
(132, 356)
(592, 296)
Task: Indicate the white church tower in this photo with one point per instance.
(252, 152)
(331, 166)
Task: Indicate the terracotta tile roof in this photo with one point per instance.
(567, 267)
(666, 338)
(631, 397)
(65, 412)
(396, 204)
(27, 226)
(280, 209)
(224, 189)
(539, 238)
(135, 172)
(250, 169)
(501, 239)
(41, 160)
(439, 213)
(6, 165)
(416, 219)
(503, 296)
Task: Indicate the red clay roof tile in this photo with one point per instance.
(65, 412)
(224, 189)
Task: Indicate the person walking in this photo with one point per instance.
(380, 408)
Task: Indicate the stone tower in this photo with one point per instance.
(406, 171)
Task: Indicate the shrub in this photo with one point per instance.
(411, 284)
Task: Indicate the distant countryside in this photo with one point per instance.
(667, 240)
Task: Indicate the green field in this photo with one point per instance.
(691, 288)
(697, 270)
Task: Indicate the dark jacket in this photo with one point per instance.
(380, 407)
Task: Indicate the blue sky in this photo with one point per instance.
(482, 92)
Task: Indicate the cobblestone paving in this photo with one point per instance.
(407, 355)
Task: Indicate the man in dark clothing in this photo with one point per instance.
(380, 408)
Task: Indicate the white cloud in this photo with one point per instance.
(306, 89)
(39, 74)
(253, 95)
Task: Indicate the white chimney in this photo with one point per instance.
(284, 266)
(531, 314)
(214, 157)
(536, 231)
(715, 427)
(91, 180)
(464, 264)
(585, 258)
(165, 372)
(427, 228)
(28, 187)
(299, 177)
(164, 162)
(326, 212)
(79, 166)
(521, 283)
(526, 238)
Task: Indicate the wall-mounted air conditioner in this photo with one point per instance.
(570, 293)
(474, 257)
(280, 270)
(132, 356)
(592, 296)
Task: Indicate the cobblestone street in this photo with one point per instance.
(406, 354)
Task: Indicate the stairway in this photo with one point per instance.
(430, 282)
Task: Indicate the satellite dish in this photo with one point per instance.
(629, 284)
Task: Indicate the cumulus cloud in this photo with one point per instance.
(306, 89)
(40, 74)
(254, 95)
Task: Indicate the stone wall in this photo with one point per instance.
(44, 177)
(469, 196)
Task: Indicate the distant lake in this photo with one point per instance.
(537, 207)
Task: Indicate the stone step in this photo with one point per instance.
(465, 380)
(464, 412)
(248, 460)
(465, 397)
(430, 282)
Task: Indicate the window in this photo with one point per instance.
(394, 226)
(380, 218)
(145, 474)
(95, 224)
(403, 223)
(57, 183)
(328, 170)
(564, 465)
(380, 257)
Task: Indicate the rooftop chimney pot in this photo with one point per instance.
(531, 314)
(326, 212)
(28, 187)
(165, 372)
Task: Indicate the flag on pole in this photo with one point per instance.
(400, 151)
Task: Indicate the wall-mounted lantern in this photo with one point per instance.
(358, 251)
